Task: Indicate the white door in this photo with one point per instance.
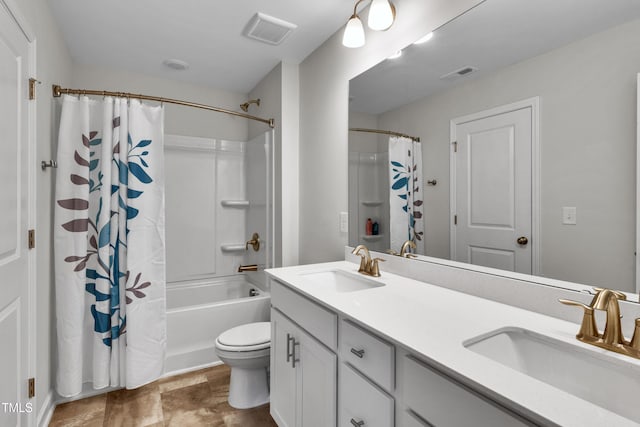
(14, 210)
(492, 189)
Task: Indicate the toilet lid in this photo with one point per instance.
(249, 335)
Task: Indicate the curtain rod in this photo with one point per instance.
(59, 91)
(386, 132)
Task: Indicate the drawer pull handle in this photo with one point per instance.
(359, 353)
(357, 423)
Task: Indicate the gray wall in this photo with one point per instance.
(587, 96)
(179, 120)
(324, 92)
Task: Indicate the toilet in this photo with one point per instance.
(245, 349)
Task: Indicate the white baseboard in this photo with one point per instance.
(46, 410)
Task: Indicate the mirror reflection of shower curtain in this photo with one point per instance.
(405, 195)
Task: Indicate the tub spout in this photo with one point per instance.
(250, 267)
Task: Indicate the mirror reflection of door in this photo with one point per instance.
(491, 192)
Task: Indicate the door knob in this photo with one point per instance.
(522, 240)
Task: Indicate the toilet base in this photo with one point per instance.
(249, 387)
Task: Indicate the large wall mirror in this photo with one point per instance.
(526, 116)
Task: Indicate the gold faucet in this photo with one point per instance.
(403, 250)
(612, 338)
(368, 266)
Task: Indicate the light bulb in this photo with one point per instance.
(381, 15)
(353, 33)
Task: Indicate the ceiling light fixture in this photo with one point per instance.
(382, 14)
(424, 39)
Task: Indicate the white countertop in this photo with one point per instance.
(434, 322)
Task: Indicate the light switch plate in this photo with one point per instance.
(569, 215)
(344, 222)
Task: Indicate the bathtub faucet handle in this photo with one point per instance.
(254, 242)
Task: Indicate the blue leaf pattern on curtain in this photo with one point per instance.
(103, 321)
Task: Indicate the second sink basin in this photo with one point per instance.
(342, 281)
(605, 381)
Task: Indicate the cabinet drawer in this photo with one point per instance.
(318, 321)
(443, 402)
(361, 402)
(368, 353)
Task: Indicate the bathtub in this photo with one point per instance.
(197, 312)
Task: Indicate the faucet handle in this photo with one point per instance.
(375, 269)
(588, 328)
(635, 341)
(391, 252)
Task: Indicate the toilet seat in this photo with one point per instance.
(243, 338)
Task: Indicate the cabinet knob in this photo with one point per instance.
(355, 423)
(522, 240)
(359, 353)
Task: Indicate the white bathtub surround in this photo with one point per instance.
(199, 311)
(229, 198)
(433, 323)
(109, 244)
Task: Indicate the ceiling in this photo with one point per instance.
(139, 35)
(493, 35)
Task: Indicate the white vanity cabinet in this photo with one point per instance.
(328, 370)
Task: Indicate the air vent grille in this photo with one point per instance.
(464, 71)
(268, 29)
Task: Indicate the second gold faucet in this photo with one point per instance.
(612, 338)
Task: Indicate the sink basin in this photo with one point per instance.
(342, 281)
(602, 380)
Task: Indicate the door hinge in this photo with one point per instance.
(455, 220)
(32, 239)
(32, 387)
(455, 146)
(32, 88)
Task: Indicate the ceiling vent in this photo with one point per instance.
(268, 29)
(460, 72)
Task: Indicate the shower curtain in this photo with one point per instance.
(109, 244)
(405, 195)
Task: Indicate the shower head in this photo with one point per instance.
(245, 106)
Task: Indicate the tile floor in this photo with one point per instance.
(194, 399)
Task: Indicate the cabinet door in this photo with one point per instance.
(317, 382)
(283, 373)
